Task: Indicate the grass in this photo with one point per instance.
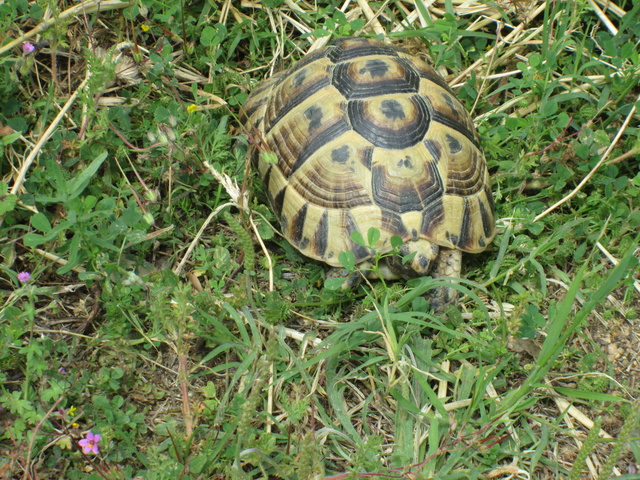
(165, 314)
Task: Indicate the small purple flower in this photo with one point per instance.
(90, 444)
(28, 48)
(24, 277)
(62, 370)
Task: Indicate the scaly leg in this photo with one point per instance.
(448, 264)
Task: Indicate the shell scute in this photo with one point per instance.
(366, 77)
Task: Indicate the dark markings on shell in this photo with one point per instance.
(314, 115)
(338, 191)
(375, 68)
(414, 234)
(449, 101)
(465, 178)
(487, 220)
(366, 157)
(340, 155)
(350, 226)
(321, 237)
(249, 109)
(393, 193)
(319, 140)
(405, 162)
(465, 240)
(401, 194)
(298, 78)
(304, 243)
(434, 149)
(431, 188)
(266, 178)
(455, 125)
(289, 104)
(392, 222)
(278, 202)
(298, 224)
(432, 218)
(454, 145)
(392, 109)
(285, 148)
(458, 112)
(492, 207)
(386, 134)
(363, 83)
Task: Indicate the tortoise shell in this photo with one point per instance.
(366, 135)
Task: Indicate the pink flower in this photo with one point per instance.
(90, 444)
(24, 277)
(28, 47)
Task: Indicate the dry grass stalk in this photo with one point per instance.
(612, 7)
(603, 17)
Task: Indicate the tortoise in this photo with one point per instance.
(365, 135)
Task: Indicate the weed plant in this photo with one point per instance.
(155, 325)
